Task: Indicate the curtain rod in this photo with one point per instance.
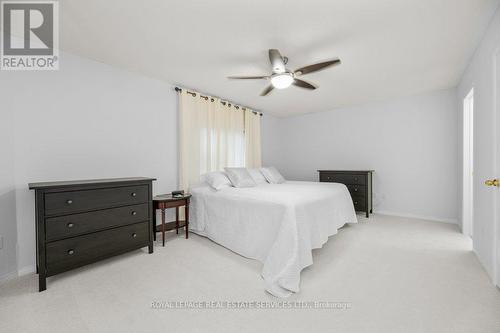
(213, 100)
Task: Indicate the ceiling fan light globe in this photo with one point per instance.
(282, 81)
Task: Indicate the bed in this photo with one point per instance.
(277, 224)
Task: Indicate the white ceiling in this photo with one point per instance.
(388, 48)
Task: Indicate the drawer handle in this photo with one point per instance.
(355, 202)
(134, 235)
(69, 202)
(356, 189)
(70, 225)
(134, 213)
(134, 194)
(328, 178)
(71, 252)
(355, 179)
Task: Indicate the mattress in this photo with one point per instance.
(276, 224)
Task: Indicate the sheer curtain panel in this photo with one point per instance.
(253, 154)
(212, 136)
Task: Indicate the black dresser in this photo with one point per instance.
(359, 184)
(81, 222)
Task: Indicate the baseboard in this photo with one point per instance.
(21, 272)
(6, 277)
(26, 270)
(420, 217)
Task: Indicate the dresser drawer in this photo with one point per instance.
(357, 190)
(78, 201)
(343, 178)
(77, 224)
(78, 251)
(359, 203)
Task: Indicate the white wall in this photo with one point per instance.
(271, 139)
(8, 228)
(480, 76)
(411, 143)
(87, 120)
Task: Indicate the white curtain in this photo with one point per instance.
(212, 136)
(253, 154)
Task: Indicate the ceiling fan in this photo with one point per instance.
(282, 77)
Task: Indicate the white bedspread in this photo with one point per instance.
(277, 224)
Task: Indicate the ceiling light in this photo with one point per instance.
(282, 81)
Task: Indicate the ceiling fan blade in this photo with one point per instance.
(266, 91)
(317, 67)
(277, 61)
(303, 84)
(247, 77)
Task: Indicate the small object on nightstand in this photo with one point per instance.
(178, 194)
(165, 201)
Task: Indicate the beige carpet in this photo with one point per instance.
(396, 274)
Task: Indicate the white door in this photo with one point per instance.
(497, 167)
(468, 164)
(486, 168)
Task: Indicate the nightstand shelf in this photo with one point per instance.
(171, 226)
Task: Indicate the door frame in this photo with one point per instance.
(468, 164)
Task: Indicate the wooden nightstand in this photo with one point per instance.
(163, 202)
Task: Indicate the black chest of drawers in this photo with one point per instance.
(359, 184)
(81, 222)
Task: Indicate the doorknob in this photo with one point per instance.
(492, 182)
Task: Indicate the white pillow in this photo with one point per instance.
(272, 175)
(217, 179)
(257, 176)
(240, 177)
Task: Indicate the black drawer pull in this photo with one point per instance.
(134, 213)
(355, 189)
(134, 194)
(70, 252)
(134, 235)
(69, 202)
(355, 179)
(70, 225)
